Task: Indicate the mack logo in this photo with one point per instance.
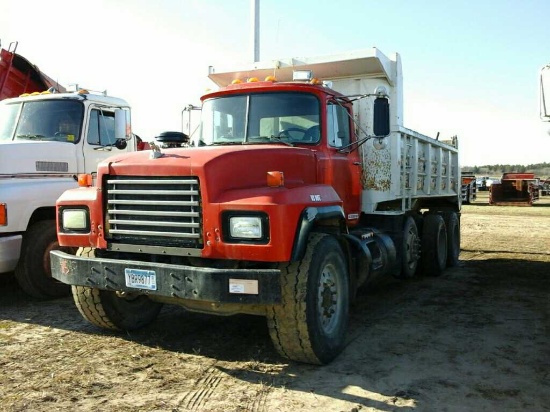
(315, 198)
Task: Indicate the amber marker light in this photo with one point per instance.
(275, 179)
(252, 80)
(270, 79)
(85, 180)
(237, 81)
(3, 214)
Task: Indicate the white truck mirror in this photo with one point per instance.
(123, 130)
(545, 93)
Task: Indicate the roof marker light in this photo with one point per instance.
(270, 79)
(303, 75)
(252, 80)
(236, 81)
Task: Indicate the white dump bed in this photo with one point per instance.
(397, 169)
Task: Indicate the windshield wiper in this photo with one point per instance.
(30, 136)
(268, 139)
(232, 142)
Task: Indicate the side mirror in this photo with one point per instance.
(381, 120)
(121, 144)
(123, 129)
(544, 94)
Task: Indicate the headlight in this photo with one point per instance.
(245, 227)
(74, 220)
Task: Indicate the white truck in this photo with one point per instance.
(47, 140)
(302, 187)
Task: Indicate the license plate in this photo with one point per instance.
(141, 279)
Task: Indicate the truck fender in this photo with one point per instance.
(309, 218)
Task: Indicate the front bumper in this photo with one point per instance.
(10, 250)
(173, 281)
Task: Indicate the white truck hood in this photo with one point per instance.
(38, 157)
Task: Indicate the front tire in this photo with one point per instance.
(111, 310)
(311, 322)
(33, 271)
(108, 310)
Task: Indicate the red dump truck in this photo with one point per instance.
(18, 75)
(302, 186)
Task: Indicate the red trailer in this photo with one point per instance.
(515, 189)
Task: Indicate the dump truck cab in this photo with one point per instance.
(301, 186)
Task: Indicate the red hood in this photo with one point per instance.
(223, 168)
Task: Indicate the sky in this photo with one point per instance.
(470, 68)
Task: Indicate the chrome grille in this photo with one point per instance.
(160, 211)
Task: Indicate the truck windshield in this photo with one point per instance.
(58, 120)
(291, 118)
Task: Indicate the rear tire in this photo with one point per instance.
(434, 245)
(33, 271)
(311, 322)
(109, 310)
(452, 225)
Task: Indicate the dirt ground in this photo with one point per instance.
(475, 339)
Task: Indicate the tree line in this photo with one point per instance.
(539, 169)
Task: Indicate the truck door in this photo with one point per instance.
(346, 167)
(99, 137)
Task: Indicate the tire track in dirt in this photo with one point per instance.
(258, 404)
(205, 387)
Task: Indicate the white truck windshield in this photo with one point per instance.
(58, 120)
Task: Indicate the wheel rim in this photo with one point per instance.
(412, 243)
(329, 299)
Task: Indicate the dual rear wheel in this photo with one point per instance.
(433, 248)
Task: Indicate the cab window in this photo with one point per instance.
(102, 128)
(338, 129)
